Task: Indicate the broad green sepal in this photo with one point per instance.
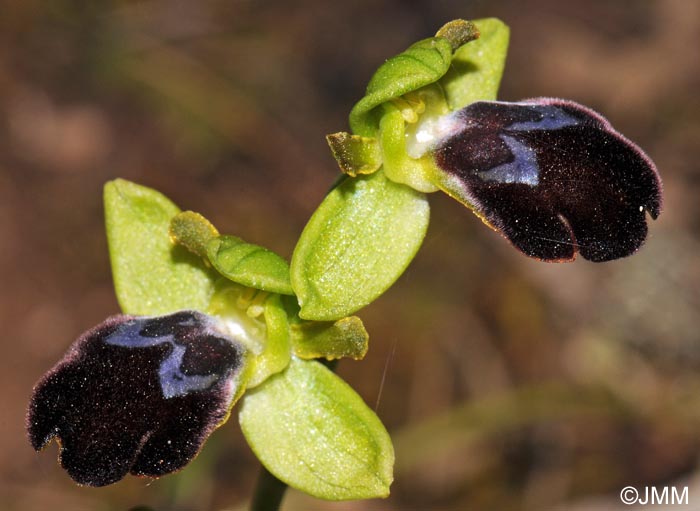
(250, 265)
(151, 275)
(421, 64)
(192, 231)
(477, 67)
(355, 154)
(345, 338)
(357, 243)
(313, 432)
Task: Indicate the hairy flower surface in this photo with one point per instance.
(136, 395)
(551, 175)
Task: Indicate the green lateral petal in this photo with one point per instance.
(346, 337)
(477, 67)
(192, 231)
(354, 154)
(151, 275)
(312, 431)
(357, 243)
(421, 64)
(250, 265)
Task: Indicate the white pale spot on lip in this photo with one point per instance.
(430, 132)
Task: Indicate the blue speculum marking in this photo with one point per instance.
(523, 169)
(552, 118)
(173, 381)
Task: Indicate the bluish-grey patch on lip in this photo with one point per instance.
(523, 169)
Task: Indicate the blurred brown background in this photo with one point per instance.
(508, 383)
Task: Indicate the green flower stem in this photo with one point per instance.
(269, 492)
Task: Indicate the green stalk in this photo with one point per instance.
(269, 492)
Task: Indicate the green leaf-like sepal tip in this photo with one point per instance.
(312, 431)
(151, 275)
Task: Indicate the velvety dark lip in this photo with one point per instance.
(554, 177)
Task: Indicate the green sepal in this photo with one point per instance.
(192, 231)
(477, 67)
(345, 338)
(312, 431)
(423, 63)
(357, 243)
(151, 275)
(250, 265)
(355, 154)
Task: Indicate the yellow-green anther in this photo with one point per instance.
(411, 105)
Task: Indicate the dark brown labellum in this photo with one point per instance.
(136, 395)
(553, 176)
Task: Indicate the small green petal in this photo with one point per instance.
(192, 231)
(354, 154)
(477, 67)
(151, 276)
(346, 337)
(250, 265)
(357, 243)
(312, 431)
